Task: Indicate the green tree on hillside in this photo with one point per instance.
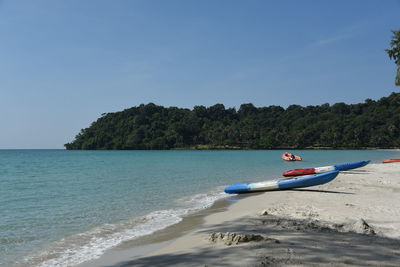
(394, 53)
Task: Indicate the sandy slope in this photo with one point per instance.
(353, 220)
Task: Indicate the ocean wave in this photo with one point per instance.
(78, 248)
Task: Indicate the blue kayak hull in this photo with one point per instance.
(297, 182)
(353, 165)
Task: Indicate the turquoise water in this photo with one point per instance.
(65, 207)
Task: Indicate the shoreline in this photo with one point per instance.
(339, 223)
(144, 245)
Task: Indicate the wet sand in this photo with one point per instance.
(352, 221)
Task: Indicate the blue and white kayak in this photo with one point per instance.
(353, 165)
(297, 182)
(339, 167)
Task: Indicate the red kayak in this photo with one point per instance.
(391, 160)
(337, 167)
(290, 157)
(298, 172)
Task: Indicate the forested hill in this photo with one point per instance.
(368, 124)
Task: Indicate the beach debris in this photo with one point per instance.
(298, 212)
(264, 213)
(309, 212)
(284, 259)
(362, 227)
(276, 210)
(229, 238)
(359, 226)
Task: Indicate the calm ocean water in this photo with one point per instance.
(65, 207)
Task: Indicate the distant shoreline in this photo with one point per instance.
(287, 148)
(206, 149)
(238, 148)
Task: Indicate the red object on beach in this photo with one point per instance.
(290, 157)
(391, 160)
(298, 172)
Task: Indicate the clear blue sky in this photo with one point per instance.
(63, 63)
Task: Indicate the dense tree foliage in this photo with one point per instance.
(394, 53)
(368, 124)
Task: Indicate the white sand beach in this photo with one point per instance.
(353, 220)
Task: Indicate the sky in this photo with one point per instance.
(64, 63)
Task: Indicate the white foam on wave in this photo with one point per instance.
(92, 244)
(202, 201)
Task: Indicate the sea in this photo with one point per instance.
(63, 208)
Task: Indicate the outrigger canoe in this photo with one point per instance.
(391, 160)
(280, 184)
(338, 167)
